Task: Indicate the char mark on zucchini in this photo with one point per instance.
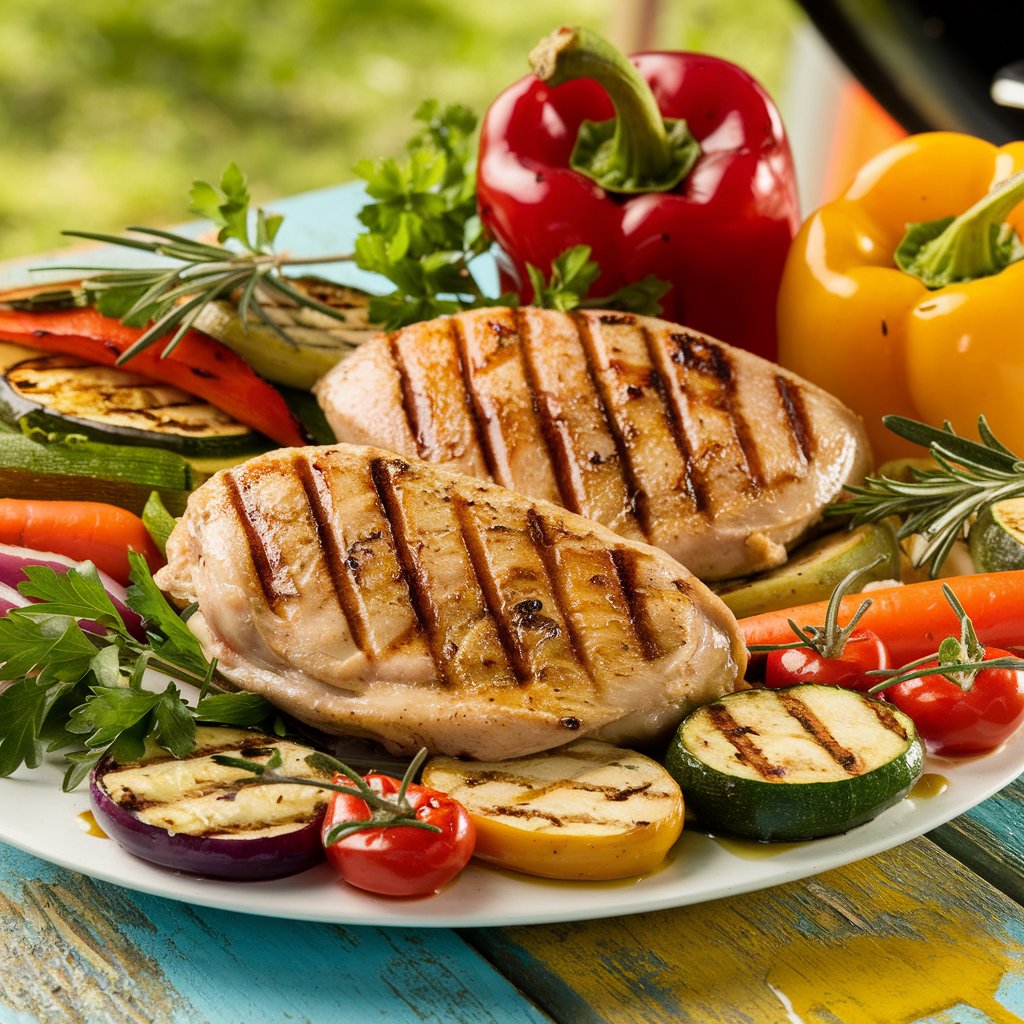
(819, 732)
(696, 496)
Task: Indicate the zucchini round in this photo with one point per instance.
(792, 764)
(997, 537)
(67, 395)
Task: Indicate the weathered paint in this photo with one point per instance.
(899, 938)
(73, 949)
(990, 840)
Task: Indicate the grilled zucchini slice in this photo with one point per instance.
(796, 763)
(67, 395)
(586, 811)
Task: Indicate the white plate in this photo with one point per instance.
(37, 817)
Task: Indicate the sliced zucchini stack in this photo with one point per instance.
(793, 764)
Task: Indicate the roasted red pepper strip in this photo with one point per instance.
(719, 236)
(198, 364)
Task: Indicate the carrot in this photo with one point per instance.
(103, 534)
(912, 620)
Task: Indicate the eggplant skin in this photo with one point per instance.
(242, 855)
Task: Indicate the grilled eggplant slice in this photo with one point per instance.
(368, 594)
(587, 811)
(661, 433)
(197, 816)
(797, 763)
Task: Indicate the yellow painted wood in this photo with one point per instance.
(902, 937)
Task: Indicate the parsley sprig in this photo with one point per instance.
(421, 232)
(75, 675)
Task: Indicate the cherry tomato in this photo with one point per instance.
(955, 721)
(862, 652)
(400, 860)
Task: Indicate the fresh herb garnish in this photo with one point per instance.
(170, 298)
(572, 275)
(76, 671)
(421, 233)
(938, 504)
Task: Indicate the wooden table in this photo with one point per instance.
(931, 932)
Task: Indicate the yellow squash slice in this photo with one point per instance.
(587, 811)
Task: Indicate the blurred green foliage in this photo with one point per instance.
(110, 108)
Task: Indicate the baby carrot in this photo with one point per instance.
(82, 530)
(912, 620)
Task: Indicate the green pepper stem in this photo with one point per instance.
(975, 244)
(639, 150)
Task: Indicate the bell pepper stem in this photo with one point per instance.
(977, 243)
(638, 150)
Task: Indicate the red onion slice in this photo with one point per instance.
(13, 560)
(256, 832)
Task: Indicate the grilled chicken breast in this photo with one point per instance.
(371, 595)
(661, 433)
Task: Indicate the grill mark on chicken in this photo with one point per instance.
(819, 732)
(507, 637)
(274, 583)
(558, 452)
(408, 395)
(419, 596)
(537, 531)
(625, 570)
(711, 362)
(674, 418)
(796, 416)
(637, 496)
(477, 414)
(311, 476)
(747, 751)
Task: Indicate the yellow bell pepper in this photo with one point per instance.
(939, 336)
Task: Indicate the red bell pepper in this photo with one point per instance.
(199, 364)
(709, 205)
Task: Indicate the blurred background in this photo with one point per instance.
(110, 108)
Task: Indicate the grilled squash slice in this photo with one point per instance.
(795, 763)
(587, 811)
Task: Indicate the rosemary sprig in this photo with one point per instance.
(939, 504)
(385, 812)
(169, 298)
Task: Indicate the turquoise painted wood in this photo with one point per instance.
(76, 950)
(908, 937)
(990, 840)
